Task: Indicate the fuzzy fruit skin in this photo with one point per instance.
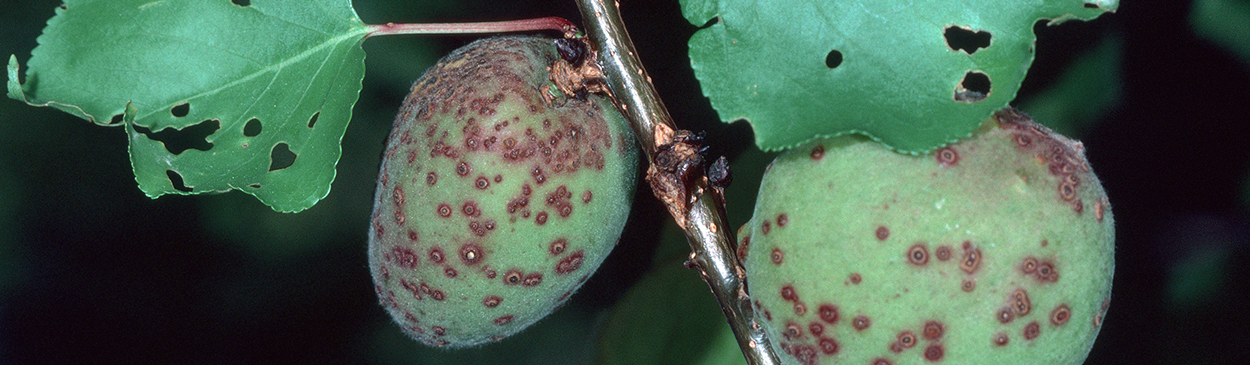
(494, 203)
(994, 250)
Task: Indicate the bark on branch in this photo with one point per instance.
(678, 176)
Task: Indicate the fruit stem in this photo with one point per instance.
(696, 205)
(565, 27)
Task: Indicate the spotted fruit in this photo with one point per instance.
(997, 249)
(498, 194)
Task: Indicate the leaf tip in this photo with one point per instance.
(699, 12)
(15, 84)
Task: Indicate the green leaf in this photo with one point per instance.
(897, 79)
(209, 90)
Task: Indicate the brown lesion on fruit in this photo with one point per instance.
(861, 322)
(471, 254)
(828, 313)
(800, 309)
(1029, 266)
(789, 294)
(1064, 158)
(412, 288)
(513, 277)
(480, 229)
(519, 203)
(947, 156)
(1005, 315)
(570, 263)
(436, 255)
(792, 331)
(403, 257)
(532, 279)
(1097, 321)
(934, 352)
(882, 233)
(971, 260)
(816, 328)
(1060, 315)
(933, 330)
(558, 246)
(469, 208)
(904, 340)
(1032, 330)
(744, 244)
(1100, 206)
(918, 254)
(1042, 270)
(559, 201)
(1019, 302)
(1000, 339)
(828, 346)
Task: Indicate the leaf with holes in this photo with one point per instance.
(215, 94)
(912, 75)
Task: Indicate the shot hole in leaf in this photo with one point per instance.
(1091, 6)
(243, 3)
(180, 110)
(281, 157)
(176, 180)
(313, 121)
(117, 118)
(973, 88)
(833, 59)
(254, 186)
(710, 22)
(965, 39)
(252, 128)
(178, 140)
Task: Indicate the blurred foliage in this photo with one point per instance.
(1225, 22)
(1089, 88)
(1197, 279)
(684, 324)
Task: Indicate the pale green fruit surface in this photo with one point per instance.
(497, 197)
(994, 250)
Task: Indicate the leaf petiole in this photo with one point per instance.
(565, 27)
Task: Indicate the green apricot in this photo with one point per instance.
(498, 195)
(994, 250)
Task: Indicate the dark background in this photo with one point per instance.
(91, 271)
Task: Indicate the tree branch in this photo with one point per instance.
(677, 176)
